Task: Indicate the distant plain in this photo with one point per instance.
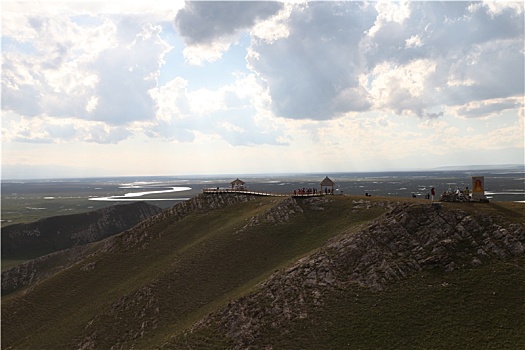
(30, 200)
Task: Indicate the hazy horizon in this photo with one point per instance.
(41, 174)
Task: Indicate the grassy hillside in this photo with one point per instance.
(146, 287)
(483, 308)
(467, 296)
(180, 272)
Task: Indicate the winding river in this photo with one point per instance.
(136, 196)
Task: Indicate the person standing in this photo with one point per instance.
(432, 193)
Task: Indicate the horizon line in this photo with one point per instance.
(471, 167)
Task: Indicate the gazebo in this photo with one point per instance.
(325, 184)
(237, 184)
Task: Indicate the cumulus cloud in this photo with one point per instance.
(231, 113)
(488, 108)
(210, 27)
(313, 72)
(44, 129)
(474, 53)
(94, 76)
(203, 22)
(90, 70)
(405, 58)
(126, 74)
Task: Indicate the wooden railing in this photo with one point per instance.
(259, 193)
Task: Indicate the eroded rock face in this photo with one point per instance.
(413, 238)
(408, 239)
(279, 214)
(139, 235)
(207, 202)
(143, 304)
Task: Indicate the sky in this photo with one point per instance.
(115, 88)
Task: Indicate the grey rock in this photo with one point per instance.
(408, 239)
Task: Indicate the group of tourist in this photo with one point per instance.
(310, 191)
(449, 195)
(456, 195)
(303, 191)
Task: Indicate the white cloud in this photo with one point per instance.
(127, 73)
(413, 41)
(496, 8)
(275, 27)
(331, 58)
(91, 71)
(342, 82)
(234, 113)
(171, 100)
(209, 27)
(45, 59)
(401, 88)
(434, 125)
(312, 72)
(389, 13)
(206, 21)
(198, 54)
(43, 129)
(488, 108)
(159, 10)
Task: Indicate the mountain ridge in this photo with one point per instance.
(38, 238)
(167, 281)
(387, 250)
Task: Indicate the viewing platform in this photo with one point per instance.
(238, 186)
(260, 193)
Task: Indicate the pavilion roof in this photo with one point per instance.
(237, 182)
(327, 182)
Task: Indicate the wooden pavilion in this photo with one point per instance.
(237, 184)
(326, 184)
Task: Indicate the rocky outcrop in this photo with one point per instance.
(414, 238)
(62, 232)
(147, 303)
(408, 239)
(364, 204)
(205, 202)
(140, 235)
(454, 197)
(278, 214)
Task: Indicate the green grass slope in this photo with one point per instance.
(150, 286)
(139, 291)
(419, 277)
(482, 308)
